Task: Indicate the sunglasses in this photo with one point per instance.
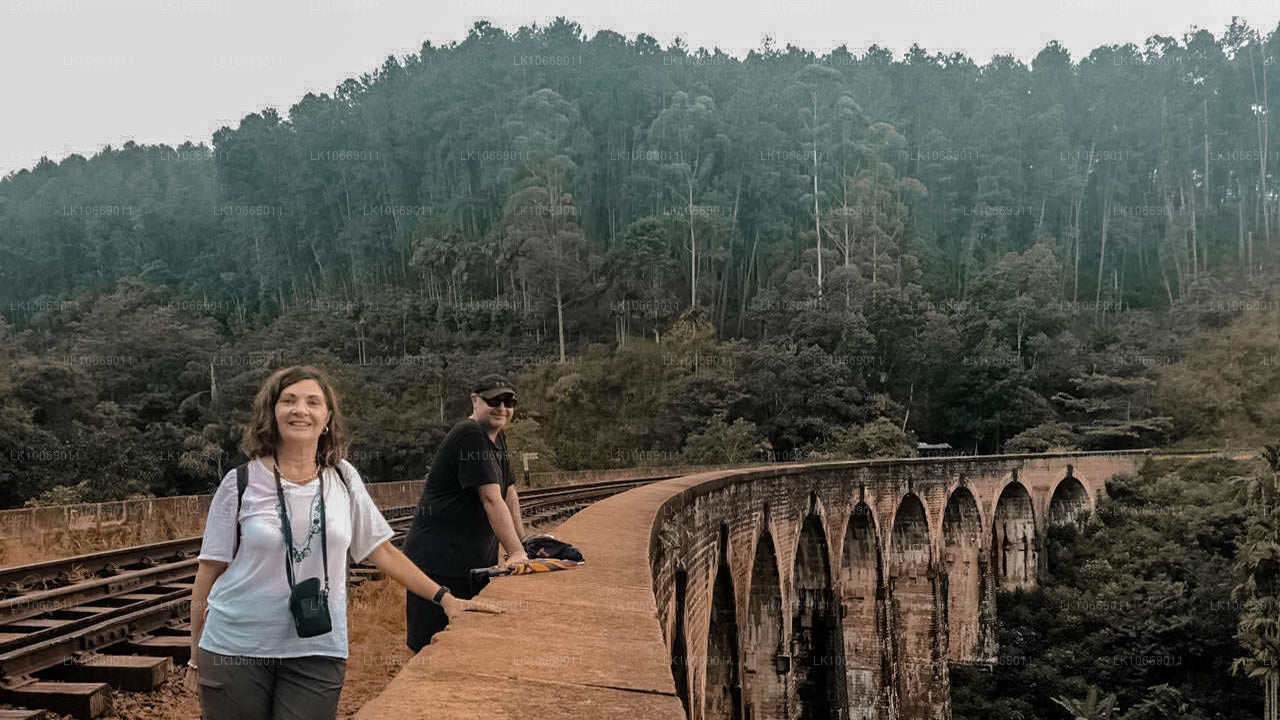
(507, 400)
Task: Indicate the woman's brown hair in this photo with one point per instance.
(262, 435)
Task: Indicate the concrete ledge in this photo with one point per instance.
(582, 643)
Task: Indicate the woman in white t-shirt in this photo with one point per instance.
(250, 658)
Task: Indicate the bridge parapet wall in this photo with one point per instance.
(893, 593)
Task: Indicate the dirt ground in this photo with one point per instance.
(56, 546)
(375, 618)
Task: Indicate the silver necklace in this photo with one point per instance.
(295, 554)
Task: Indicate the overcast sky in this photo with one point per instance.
(79, 74)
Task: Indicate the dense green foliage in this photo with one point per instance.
(1228, 384)
(1257, 590)
(1006, 251)
(1138, 604)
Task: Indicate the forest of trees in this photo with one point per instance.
(681, 255)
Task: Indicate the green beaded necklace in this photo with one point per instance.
(294, 553)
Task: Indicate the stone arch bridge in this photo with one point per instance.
(780, 592)
(846, 590)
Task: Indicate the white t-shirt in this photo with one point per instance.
(249, 603)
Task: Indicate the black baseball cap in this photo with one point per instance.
(492, 386)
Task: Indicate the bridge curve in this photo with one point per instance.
(765, 592)
(574, 644)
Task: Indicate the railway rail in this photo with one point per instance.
(73, 629)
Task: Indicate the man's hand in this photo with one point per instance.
(515, 559)
(453, 607)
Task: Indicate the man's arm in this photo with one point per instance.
(501, 521)
(513, 504)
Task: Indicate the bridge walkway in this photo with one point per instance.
(582, 643)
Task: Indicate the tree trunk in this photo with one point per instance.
(1164, 278)
(693, 254)
(746, 285)
(1262, 157)
(1204, 106)
(1102, 251)
(875, 253)
(213, 386)
(1075, 273)
(724, 290)
(1272, 711)
(817, 219)
(1240, 255)
(1261, 122)
(1177, 256)
(1197, 261)
(560, 313)
(1078, 207)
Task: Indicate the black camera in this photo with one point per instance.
(310, 607)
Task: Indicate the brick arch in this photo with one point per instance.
(931, 523)
(963, 570)
(861, 589)
(761, 638)
(877, 524)
(1092, 489)
(816, 632)
(722, 694)
(911, 531)
(976, 490)
(1068, 499)
(1092, 486)
(679, 636)
(912, 606)
(1015, 537)
(744, 543)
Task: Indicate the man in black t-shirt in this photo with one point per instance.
(469, 505)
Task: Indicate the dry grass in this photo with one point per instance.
(56, 546)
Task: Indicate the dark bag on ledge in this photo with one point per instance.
(547, 546)
(546, 554)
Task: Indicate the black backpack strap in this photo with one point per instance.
(242, 482)
(347, 485)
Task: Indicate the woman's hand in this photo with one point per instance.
(392, 561)
(453, 607)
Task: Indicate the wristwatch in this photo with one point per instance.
(440, 594)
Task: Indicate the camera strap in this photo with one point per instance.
(288, 529)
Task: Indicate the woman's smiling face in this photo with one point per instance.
(302, 412)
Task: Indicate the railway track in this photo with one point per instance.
(73, 629)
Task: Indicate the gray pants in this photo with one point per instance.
(234, 687)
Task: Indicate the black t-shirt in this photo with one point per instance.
(451, 532)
